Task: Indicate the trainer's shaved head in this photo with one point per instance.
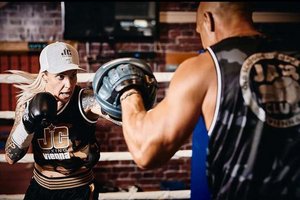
(218, 20)
(224, 9)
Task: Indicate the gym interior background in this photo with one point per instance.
(26, 27)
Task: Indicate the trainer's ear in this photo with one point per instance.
(209, 20)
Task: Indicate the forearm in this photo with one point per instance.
(12, 152)
(152, 136)
(18, 140)
(133, 112)
(140, 133)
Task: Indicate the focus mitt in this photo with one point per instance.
(119, 75)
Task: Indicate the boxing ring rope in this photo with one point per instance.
(178, 194)
(81, 77)
(119, 156)
(109, 156)
(105, 156)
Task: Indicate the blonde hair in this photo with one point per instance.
(34, 84)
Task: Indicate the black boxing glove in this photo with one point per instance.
(40, 112)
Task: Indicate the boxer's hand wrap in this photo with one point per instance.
(117, 76)
(40, 112)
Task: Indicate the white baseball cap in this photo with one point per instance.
(59, 57)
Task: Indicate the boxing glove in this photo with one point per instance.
(40, 112)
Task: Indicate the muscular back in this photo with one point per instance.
(256, 133)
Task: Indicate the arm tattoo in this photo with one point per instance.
(18, 116)
(88, 101)
(11, 149)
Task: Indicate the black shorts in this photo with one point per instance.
(37, 192)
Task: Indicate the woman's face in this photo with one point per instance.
(61, 85)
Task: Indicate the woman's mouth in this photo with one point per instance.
(65, 95)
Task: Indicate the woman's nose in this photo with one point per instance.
(68, 82)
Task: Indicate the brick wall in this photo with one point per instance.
(41, 21)
(23, 21)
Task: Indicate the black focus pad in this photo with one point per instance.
(119, 75)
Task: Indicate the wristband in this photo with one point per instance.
(20, 136)
(128, 94)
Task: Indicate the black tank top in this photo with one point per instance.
(254, 147)
(69, 143)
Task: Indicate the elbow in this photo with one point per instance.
(144, 161)
(148, 164)
(149, 156)
(144, 165)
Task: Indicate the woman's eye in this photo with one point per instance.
(60, 77)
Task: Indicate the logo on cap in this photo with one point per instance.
(67, 55)
(66, 52)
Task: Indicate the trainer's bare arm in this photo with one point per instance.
(154, 136)
(13, 153)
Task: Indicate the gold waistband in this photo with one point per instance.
(63, 182)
